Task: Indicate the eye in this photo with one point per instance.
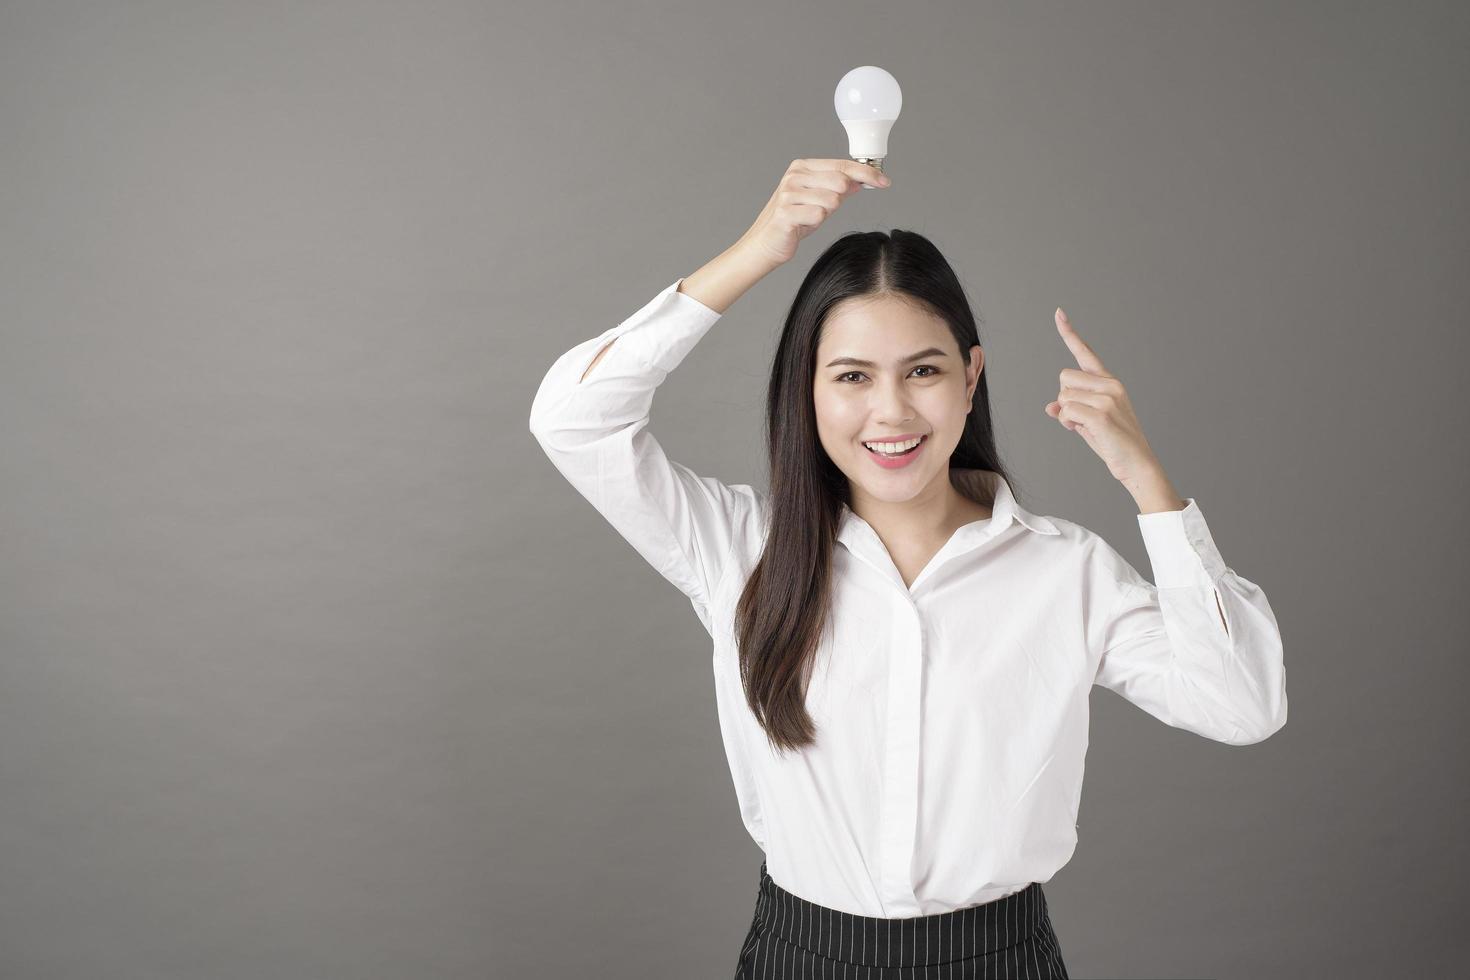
(921, 367)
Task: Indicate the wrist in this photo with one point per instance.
(751, 257)
(1154, 492)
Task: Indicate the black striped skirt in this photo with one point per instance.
(792, 938)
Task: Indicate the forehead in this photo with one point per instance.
(880, 325)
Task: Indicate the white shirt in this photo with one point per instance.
(952, 713)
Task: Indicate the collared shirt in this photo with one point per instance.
(952, 712)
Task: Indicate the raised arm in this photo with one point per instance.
(1199, 648)
(591, 412)
(593, 426)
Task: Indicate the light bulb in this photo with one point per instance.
(867, 101)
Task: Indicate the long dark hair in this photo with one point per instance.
(781, 617)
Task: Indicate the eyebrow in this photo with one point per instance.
(859, 362)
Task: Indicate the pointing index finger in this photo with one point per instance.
(1087, 359)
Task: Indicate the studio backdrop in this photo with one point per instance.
(315, 663)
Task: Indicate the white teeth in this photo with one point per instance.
(893, 447)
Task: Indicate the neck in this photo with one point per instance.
(935, 512)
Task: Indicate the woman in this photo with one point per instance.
(902, 653)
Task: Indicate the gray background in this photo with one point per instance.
(314, 667)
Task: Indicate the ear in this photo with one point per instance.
(972, 372)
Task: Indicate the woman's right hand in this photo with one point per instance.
(808, 193)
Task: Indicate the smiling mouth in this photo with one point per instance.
(913, 449)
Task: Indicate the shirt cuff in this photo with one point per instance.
(1180, 548)
(665, 330)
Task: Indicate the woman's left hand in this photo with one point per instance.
(1095, 405)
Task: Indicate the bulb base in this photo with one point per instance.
(875, 162)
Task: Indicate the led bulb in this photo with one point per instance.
(867, 101)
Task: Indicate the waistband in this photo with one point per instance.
(924, 940)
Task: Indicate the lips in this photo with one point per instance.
(898, 462)
(922, 439)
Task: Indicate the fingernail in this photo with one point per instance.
(884, 180)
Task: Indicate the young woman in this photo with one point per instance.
(902, 653)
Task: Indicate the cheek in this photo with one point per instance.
(836, 415)
(948, 404)
(943, 412)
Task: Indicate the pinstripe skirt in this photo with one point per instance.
(792, 938)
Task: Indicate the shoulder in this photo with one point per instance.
(758, 502)
(1102, 565)
(1073, 534)
(1082, 543)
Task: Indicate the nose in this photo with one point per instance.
(891, 405)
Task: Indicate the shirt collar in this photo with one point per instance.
(976, 484)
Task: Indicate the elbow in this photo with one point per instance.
(547, 437)
(556, 437)
(538, 426)
(543, 422)
(539, 430)
(1269, 724)
(1268, 708)
(1252, 736)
